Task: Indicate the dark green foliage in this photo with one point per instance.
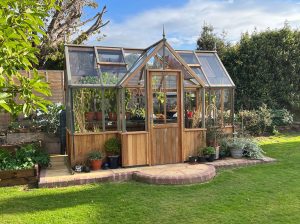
(24, 158)
(209, 150)
(113, 146)
(265, 68)
(258, 122)
(281, 117)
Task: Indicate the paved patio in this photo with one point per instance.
(182, 173)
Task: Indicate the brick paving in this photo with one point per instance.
(172, 174)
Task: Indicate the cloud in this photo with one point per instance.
(183, 24)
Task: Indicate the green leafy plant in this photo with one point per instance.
(252, 149)
(24, 158)
(209, 150)
(20, 32)
(113, 146)
(49, 121)
(95, 155)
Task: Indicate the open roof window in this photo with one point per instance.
(114, 56)
(189, 57)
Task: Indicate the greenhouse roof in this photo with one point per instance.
(117, 66)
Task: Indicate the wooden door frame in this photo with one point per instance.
(150, 109)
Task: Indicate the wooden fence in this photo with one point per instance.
(56, 81)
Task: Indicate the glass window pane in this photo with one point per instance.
(193, 109)
(110, 56)
(110, 109)
(131, 57)
(137, 80)
(87, 113)
(171, 107)
(227, 107)
(189, 58)
(135, 106)
(111, 75)
(213, 69)
(82, 64)
(159, 99)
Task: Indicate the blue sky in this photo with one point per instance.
(138, 23)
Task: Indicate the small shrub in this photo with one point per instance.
(281, 117)
(252, 149)
(113, 146)
(95, 155)
(209, 150)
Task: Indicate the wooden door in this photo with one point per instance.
(165, 116)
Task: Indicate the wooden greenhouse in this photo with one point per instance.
(157, 101)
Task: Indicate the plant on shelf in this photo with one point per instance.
(112, 148)
(79, 109)
(209, 153)
(95, 160)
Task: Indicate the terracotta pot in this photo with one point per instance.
(96, 164)
(112, 116)
(98, 116)
(89, 116)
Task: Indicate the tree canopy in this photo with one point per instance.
(21, 25)
(66, 23)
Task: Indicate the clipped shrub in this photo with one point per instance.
(209, 150)
(113, 146)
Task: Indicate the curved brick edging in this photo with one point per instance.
(172, 174)
(187, 174)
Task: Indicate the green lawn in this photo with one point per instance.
(268, 193)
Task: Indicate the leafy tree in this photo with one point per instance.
(209, 40)
(65, 23)
(20, 32)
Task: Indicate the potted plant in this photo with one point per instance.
(192, 159)
(95, 160)
(236, 147)
(201, 157)
(209, 153)
(112, 148)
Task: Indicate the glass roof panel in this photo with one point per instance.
(110, 55)
(199, 72)
(82, 65)
(131, 56)
(189, 58)
(137, 80)
(111, 75)
(213, 69)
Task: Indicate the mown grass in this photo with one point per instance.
(268, 193)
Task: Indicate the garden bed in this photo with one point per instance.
(19, 177)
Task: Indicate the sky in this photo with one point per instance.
(138, 23)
